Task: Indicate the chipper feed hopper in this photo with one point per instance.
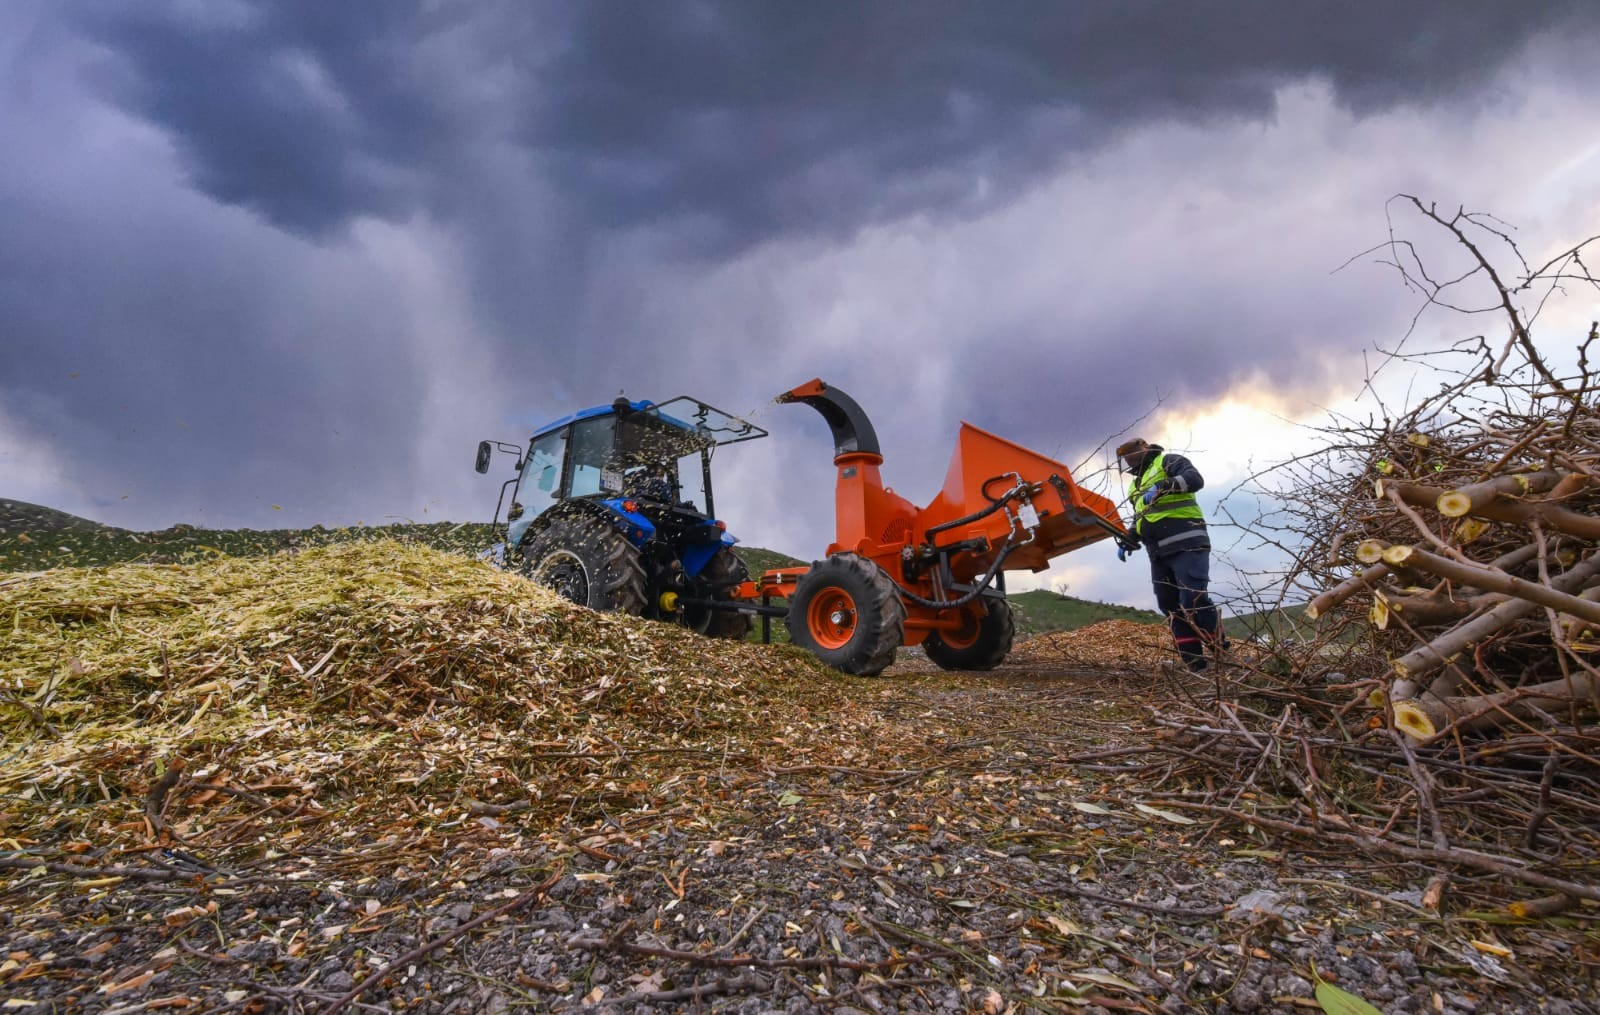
(897, 574)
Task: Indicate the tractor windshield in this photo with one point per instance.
(638, 456)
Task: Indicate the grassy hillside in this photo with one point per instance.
(1270, 624)
(20, 516)
(35, 538)
(1042, 610)
(78, 543)
(759, 560)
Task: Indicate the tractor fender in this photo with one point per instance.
(634, 527)
(697, 555)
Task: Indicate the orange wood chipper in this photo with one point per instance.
(897, 574)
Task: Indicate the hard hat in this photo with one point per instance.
(1132, 448)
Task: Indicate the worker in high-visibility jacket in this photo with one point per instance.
(1167, 522)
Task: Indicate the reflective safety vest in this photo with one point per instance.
(1169, 505)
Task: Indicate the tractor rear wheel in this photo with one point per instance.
(848, 612)
(587, 561)
(982, 642)
(722, 572)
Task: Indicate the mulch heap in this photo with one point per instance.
(1110, 644)
(341, 716)
(351, 684)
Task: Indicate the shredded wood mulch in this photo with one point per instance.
(379, 778)
(1120, 644)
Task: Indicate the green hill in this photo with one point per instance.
(759, 560)
(37, 542)
(1272, 624)
(1042, 610)
(20, 516)
(35, 538)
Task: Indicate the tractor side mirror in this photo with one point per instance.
(485, 452)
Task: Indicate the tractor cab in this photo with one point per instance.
(640, 473)
(653, 460)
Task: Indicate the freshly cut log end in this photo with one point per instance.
(1412, 720)
(1454, 504)
(1376, 698)
(1470, 530)
(1418, 440)
(1370, 551)
(1312, 613)
(1379, 613)
(1397, 555)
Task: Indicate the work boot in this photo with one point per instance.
(1221, 646)
(1182, 670)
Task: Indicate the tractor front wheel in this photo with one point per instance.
(981, 643)
(587, 561)
(847, 611)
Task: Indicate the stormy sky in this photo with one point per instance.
(278, 263)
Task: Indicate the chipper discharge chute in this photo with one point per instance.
(897, 574)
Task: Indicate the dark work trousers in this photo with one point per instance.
(1180, 582)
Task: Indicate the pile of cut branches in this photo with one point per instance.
(1441, 713)
(1490, 570)
(1473, 520)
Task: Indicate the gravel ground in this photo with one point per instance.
(958, 862)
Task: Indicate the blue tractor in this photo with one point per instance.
(612, 508)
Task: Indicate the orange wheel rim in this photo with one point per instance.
(964, 636)
(831, 617)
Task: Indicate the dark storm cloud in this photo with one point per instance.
(170, 359)
(741, 120)
(307, 252)
(315, 113)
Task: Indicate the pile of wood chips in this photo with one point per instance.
(1110, 644)
(358, 692)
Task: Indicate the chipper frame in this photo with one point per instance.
(897, 574)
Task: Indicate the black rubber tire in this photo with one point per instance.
(871, 622)
(997, 629)
(721, 573)
(588, 562)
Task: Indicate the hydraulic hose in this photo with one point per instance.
(1011, 545)
(995, 504)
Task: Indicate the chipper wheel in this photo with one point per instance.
(982, 642)
(588, 562)
(722, 572)
(847, 611)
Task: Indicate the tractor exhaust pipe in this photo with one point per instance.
(852, 430)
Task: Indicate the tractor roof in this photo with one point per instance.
(685, 413)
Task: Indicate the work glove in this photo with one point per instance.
(1155, 493)
(1122, 553)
